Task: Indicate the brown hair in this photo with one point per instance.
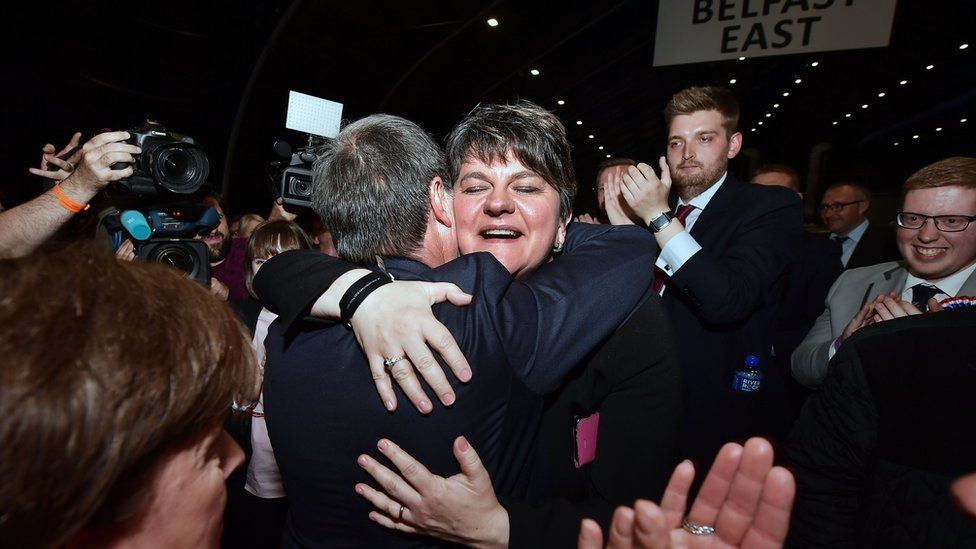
(860, 189)
(533, 135)
(957, 170)
(270, 239)
(613, 163)
(792, 174)
(107, 365)
(705, 98)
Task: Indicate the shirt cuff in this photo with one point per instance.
(676, 252)
(834, 347)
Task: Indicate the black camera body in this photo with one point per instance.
(164, 234)
(295, 186)
(169, 160)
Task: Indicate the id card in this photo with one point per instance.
(585, 432)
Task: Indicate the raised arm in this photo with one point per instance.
(24, 228)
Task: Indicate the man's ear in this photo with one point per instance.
(735, 144)
(863, 207)
(441, 202)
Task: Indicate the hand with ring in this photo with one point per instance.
(58, 166)
(744, 502)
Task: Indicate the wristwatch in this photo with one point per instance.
(660, 222)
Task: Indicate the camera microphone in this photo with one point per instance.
(135, 224)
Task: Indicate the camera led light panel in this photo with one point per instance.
(310, 114)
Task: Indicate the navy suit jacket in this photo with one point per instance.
(722, 304)
(520, 339)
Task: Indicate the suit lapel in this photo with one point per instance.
(711, 216)
(892, 280)
(969, 287)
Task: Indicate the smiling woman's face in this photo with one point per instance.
(508, 210)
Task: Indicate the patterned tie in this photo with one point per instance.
(659, 275)
(921, 294)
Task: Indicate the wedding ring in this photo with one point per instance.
(697, 529)
(389, 362)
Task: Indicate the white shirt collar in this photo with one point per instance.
(704, 198)
(857, 232)
(950, 285)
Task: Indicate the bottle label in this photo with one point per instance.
(747, 380)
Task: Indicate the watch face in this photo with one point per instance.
(660, 221)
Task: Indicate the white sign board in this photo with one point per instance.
(310, 114)
(692, 31)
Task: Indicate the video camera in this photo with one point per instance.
(164, 234)
(294, 186)
(169, 161)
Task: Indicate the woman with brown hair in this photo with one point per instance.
(115, 383)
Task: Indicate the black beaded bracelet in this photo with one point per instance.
(357, 293)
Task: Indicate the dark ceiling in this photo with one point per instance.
(220, 71)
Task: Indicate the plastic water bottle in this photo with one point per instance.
(749, 378)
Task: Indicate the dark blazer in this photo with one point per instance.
(722, 303)
(875, 449)
(520, 338)
(634, 382)
(877, 245)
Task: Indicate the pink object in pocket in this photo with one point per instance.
(585, 430)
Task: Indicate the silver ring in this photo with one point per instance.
(70, 168)
(697, 529)
(389, 362)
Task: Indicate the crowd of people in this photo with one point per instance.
(455, 356)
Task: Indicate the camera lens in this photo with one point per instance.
(180, 168)
(300, 187)
(175, 256)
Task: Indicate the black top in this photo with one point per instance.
(519, 337)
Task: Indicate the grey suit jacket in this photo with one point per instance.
(848, 294)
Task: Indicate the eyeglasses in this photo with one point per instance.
(837, 206)
(945, 223)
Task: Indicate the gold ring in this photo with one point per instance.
(400, 514)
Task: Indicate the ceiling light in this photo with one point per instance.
(834, 123)
(600, 147)
(753, 129)
(590, 136)
(760, 123)
(775, 105)
(786, 94)
(929, 67)
(608, 156)
(963, 120)
(864, 106)
(963, 46)
(903, 82)
(743, 58)
(732, 81)
(938, 129)
(492, 22)
(797, 81)
(848, 115)
(768, 115)
(560, 102)
(881, 94)
(896, 143)
(915, 137)
(534, 72)
(579, 122)
(814, 64)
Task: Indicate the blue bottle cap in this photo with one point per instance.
(752, 361)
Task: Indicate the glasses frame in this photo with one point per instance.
(935, 219)
(837, 206)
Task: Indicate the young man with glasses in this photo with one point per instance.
(937, 242)
(843, 210)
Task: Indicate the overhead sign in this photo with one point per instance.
(692, 31)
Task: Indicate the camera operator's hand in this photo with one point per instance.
(278, 211)
(219, 289)
(55, 165)
(126, 252)
(94, 170)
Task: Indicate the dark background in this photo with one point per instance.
(220, 72)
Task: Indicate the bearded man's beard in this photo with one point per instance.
(219, 250)
(690, 185)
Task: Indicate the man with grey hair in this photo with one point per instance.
(381, 189)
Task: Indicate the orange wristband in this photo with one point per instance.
(67, 203)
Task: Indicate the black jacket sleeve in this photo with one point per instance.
(830, 452)
(289, 283)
